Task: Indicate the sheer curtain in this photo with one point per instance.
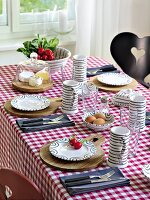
(94, 26)
(98, 21)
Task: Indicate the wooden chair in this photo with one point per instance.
(16, 186)
(132, 54)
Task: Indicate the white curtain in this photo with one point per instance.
(98, 21)
(85, 18)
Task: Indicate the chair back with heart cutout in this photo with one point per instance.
(132, 54)
(14, 185)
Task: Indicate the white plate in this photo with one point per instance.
(62, 149)
(115, 79)
(146, 171)
(30, 102)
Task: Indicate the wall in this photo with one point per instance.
(119, 16)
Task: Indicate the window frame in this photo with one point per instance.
(14, 29)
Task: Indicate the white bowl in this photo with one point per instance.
(146, 171)
(109, 121)
(61, 57)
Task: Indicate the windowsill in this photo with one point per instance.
(13, 44)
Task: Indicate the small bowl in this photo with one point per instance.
(109, 121)
(61, 57)
(146, 171)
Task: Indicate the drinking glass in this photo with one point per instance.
(134, 127)
(134, 139)
(89, 97)
(40, 22)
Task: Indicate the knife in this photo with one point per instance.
(40, 123)
(108, 174)
(90, 181)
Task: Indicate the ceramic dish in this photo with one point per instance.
(146, 171)
(108, 118)
(63, 150)
(30, 102)
(114, 79)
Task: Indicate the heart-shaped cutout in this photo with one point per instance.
(132, 54)
(138, 53)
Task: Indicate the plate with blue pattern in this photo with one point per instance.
(62, 149)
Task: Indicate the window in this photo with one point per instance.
(25, 17)
(3, 15)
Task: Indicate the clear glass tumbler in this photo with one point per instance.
(134, 139)
(89, 97)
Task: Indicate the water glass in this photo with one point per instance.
(89, 97)
(134, 139)
(40, 21)
(125, 120)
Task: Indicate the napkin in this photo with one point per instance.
(122, 98)
(147, 121)
(96, 186)
(65, 118)
(102, 69)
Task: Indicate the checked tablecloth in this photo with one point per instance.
(20, 150)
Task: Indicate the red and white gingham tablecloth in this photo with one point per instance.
(20, 151)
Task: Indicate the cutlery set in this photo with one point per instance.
(103, 69)
(92, 181)
(89, 179)
(55, 121)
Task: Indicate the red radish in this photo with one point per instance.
(48, 52)
(72, 140)
(77, 145)
(44, 57)
(41, 51)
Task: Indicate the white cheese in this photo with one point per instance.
(25, 75)
(35, 81)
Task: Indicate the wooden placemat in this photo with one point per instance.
(90, 163)
(109, 88)
(55, 103)
(24, 87)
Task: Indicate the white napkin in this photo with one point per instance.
(122, 98)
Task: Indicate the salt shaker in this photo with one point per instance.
(104, 107)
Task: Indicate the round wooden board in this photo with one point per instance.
(90, 163)
(31, 114)
(24, 87)
(109, 88)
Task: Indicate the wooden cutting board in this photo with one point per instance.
(93, 162)
(24, 87)
(55, 103)
(110, 88)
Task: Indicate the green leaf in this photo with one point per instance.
(20, 49)
(53, 43)
(33, 45)
(27, 44)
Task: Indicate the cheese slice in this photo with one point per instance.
(43, 74)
